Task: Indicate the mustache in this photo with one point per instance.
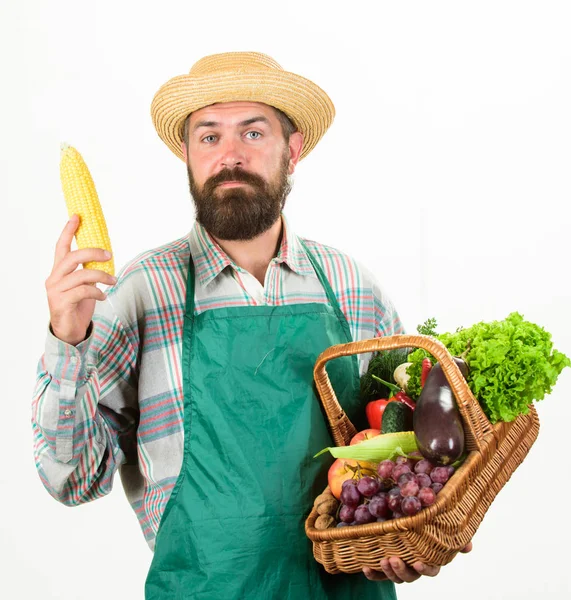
(233, 175)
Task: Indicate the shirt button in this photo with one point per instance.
(67, 413)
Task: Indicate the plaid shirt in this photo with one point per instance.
(115, 401)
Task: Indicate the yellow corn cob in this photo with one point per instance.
(81, 199)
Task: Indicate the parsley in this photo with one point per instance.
(428, 327)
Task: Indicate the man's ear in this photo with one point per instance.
(184, 151)
(295, 147)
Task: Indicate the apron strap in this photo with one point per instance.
(328, 290)
(189, 312)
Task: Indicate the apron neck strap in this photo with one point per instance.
(190, 288)
(321, 276)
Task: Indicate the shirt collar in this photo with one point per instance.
(210, 260)
(292, 253)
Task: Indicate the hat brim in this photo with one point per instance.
(306, 104)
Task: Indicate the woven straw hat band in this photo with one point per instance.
(241, 76)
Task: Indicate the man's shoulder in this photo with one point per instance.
(170, 256)
(340, 263)
(161, 268)
(326, 252)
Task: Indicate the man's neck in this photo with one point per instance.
(255, 255)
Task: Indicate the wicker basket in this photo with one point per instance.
(438, 532)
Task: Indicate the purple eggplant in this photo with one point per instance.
(437, 422)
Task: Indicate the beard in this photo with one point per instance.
(240, 213)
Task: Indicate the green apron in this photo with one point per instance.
(233, 527)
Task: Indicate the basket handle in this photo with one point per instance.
(477, 425)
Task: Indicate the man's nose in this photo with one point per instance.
(232, 155)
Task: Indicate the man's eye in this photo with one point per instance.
(257, 135)
(208, 138)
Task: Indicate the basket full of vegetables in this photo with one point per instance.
(418, 483)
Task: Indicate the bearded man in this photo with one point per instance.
(193, 374)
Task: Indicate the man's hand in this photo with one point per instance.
(397, 571)
(71, 291)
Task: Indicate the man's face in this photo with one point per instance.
(238, 166)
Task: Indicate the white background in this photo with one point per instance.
(447, 171)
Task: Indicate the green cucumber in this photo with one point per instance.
(397, 416)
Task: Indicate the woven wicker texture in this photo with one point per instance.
(241, 76)
(438, 532)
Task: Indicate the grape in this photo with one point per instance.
(385, 468)
(410, 505)
(423, 466)
(382, 519)
(404, 460)
(399, 470)
(405, 477)
(379, 495)
(348, 482)
(368, 486)
(437, 487)
(379, 505)
(347, 513)
(451, 470)
(397, 515)
(427, 496)
(343, 524)
(423, 480)
(410, 488)
(350, 496)
(363, 515)
(439, 474)
(394, 499)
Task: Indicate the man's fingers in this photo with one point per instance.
(374, 575)
(63, 245)
(73, 259)
(402, 571)
(428, 570)
(82, 276)
(83, 292)
(399, 572)
(389, 571)
(467, 549)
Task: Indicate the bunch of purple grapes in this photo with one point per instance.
(402, 487)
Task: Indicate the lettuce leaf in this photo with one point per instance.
(511, 364)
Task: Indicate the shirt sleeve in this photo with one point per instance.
(385, 316)
(85, 410)
(387, 319)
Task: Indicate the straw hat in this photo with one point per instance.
(249, 76)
